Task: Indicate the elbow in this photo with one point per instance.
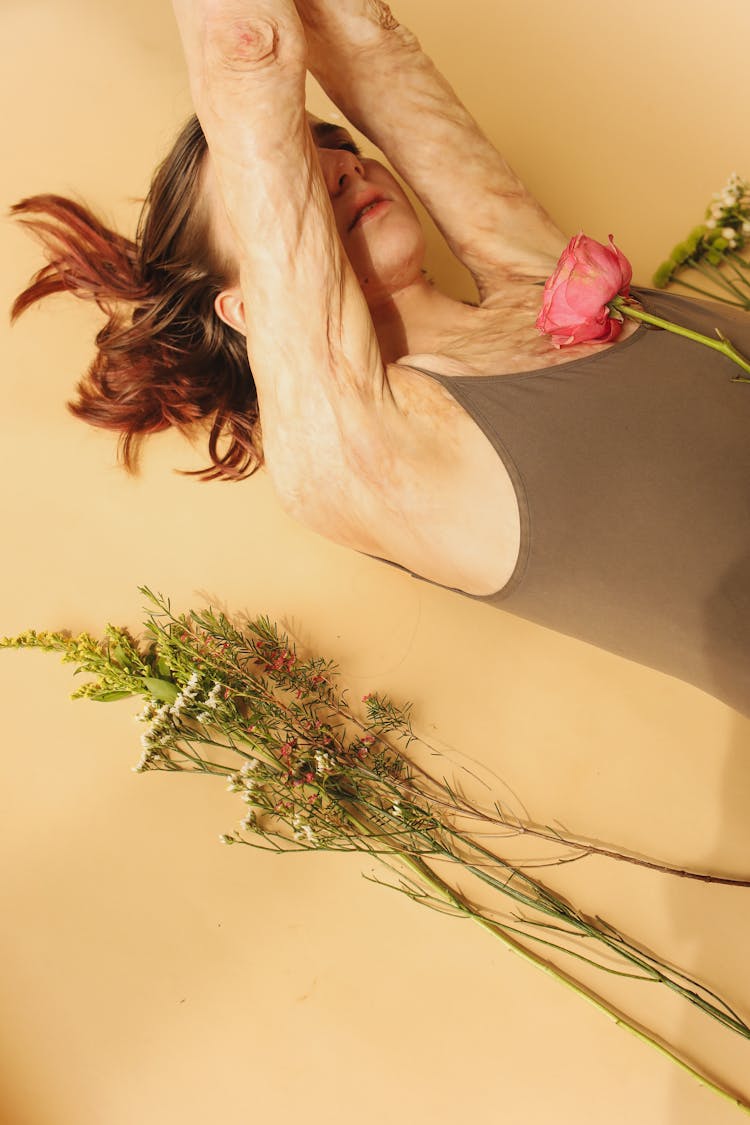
(249, 48)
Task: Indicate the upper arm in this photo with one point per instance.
(315, 357)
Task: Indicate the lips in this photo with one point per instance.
(362, 206)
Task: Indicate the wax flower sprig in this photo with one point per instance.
(314, 773)
(713, 248)
(587, 299)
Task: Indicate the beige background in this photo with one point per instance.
(149, 976)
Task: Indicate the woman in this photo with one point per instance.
(450, 439)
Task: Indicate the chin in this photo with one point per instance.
(390, 265)
(377, 291)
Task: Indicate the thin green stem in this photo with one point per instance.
(426, 874)
(461, 807)
(715, 275)
(741, 281)
(707, 293)
(540, 898)
(739, 285)
(738, 260)
(585, 847)
(721, 345)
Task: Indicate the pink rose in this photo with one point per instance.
(574, 308)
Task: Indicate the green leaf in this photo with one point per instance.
(110, 696)
(164, 690)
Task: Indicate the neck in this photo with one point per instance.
(416, 319)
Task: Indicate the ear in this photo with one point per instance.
(230, 308)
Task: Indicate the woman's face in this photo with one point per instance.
(378, 227)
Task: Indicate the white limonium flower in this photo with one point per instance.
(212, 700)
(179, 704)
(323, 763)
(187, 695)
(161, 727)
(727, 232)
(148, 712)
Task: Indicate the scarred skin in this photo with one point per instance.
(360, 446)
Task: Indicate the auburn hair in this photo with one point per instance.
(164, 357)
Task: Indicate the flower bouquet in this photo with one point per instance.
(312, 772)
(713, 249)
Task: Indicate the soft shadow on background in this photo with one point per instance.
(147, 974)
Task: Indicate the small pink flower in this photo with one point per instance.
(575, 304)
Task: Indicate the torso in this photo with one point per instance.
(471, 533)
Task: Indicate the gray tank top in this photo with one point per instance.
(631, 468)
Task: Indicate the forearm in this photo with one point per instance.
(377, 73)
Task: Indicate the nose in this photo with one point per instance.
(340, 169)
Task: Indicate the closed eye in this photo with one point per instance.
(350, 146)
(328, 135)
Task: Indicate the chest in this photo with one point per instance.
(500, 339)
